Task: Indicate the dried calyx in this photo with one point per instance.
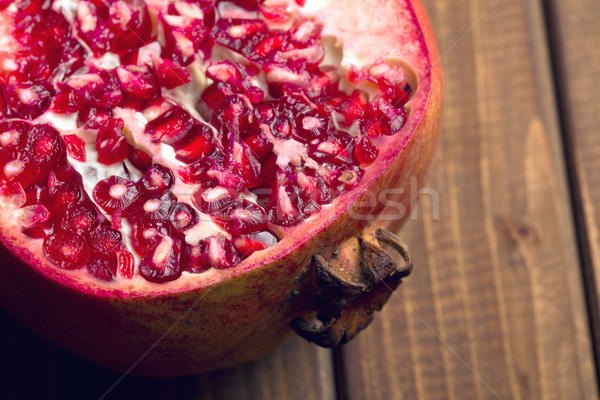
(145, 141)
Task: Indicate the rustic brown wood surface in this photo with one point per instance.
(497, 306)
(576, 39)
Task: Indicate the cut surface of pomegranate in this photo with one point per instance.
(196, 160)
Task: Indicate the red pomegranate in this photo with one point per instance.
(182, 181)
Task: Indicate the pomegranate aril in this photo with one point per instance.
(14, 193)
(44, 144)
(101, 269)
(36, 194)
(245, 165)
(111, 144)
(235, 33)
(125, 264)
(283, 208)
(170, 74)
(194, 260)
(17, 166)
(157, 179)
(259, 143)
(27, 100)
(183, 217)
(11, 133)
(364, 150)
(130, 23)
(249, 244)
(242, 217)
(163, 264)
(115, 193)
(154, 207)
(66, 250)
(75, 147)
(95, 117)
(105, 242)
(139, 158)
(195, 145)
(392, 117)
(213, 200)
(171, 126)
(214, 95)
(220, 253)
(101, 89)
(80, 218)
(31, 216)
(64, 194)
(145, 235)
(138, 83)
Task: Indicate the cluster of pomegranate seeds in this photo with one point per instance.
(274, 134)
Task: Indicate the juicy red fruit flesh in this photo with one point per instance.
(270, 141)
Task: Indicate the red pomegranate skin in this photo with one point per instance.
(178, 330)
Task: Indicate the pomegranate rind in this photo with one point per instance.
(226, 317)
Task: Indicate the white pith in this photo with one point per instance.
(287, 151)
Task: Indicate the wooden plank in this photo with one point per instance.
(495, 307)
(32, 368)
(575, 40)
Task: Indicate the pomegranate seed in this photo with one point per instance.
(80, 218)
(195, 145)
(224, 71)
(14, 193)
(27, 100)
(130, 23)
(101, 89)
(105, 242)
(242, 217)
(163, 263)
(214, 200)
(115, 193)
(170, 74)
(44, 143)
(75, 147)
(64, 194)
(145, 235)
(364, 150)
(139, 158)
(138, 83)
(32, 216)
(183, 217)
(194, 259)
(275, 11)
(157, 179)
(245, 165)
(248, 244)
(101, 269)
(220, 253)
(111, 145)
(283, 209)
(152, 207)
(11, 133)
(66, 250)
(125, 264)
(16, 166)
(95, 117)
(171, 126)
(36, 194)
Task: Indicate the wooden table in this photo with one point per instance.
(504, 299)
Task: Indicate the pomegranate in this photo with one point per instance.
(183, 181)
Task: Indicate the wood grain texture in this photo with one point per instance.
(575, 38)
(495, 307)
(32, 368)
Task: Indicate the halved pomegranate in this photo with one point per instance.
(193, 177)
